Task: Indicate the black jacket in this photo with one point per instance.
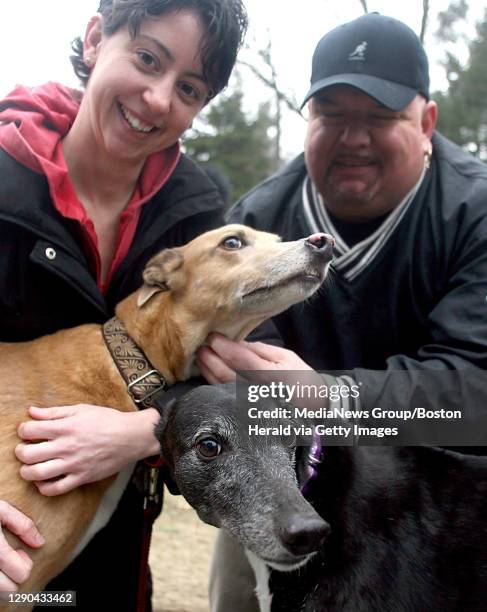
(46, 284)
(422, 303)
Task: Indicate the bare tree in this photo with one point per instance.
(280, 97)
(424, 20)
(364, 5)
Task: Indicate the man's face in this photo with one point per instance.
(363, 157)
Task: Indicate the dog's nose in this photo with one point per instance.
(304, 535)
(321, 244)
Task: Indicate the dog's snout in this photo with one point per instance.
(321, 244)
(304, 535)
(320, 241)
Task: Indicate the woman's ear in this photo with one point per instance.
(92, 39)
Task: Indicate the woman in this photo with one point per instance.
(92, 185)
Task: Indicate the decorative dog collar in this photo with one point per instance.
(142, 380)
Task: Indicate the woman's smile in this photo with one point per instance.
(137, 124)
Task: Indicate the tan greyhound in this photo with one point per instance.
(228, 280)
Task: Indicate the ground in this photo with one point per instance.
(180, 556)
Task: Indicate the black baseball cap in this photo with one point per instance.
(378, 55)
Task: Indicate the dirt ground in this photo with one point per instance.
(180, 556)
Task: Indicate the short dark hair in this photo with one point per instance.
(225, 22)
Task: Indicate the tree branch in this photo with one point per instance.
(364, 6)
(424, 21)
(272, 85)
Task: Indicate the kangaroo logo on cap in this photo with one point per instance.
(358, 54)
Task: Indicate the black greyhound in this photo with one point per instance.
(381, 528)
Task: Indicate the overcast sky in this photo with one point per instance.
(35, 36)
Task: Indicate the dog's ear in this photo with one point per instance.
(165, 470)
(169, 480)
(165, 410)
(157, 274)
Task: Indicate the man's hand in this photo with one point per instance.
(16, 565)
(219, 361)
(83, 443)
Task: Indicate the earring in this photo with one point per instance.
(427, 156)
(88, 61)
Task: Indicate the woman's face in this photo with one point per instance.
(143, 92)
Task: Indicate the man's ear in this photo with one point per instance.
(429, 118)
(157, 274)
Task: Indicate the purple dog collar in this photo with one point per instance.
(313, 460)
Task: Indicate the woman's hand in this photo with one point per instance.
(16, 565)
(83, 443)
(219, 361)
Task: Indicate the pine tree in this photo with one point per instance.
(463, 108)
(229, 142)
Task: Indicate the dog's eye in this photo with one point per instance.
(208, 448)
(233, 243)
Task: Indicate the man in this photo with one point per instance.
(408, 210)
